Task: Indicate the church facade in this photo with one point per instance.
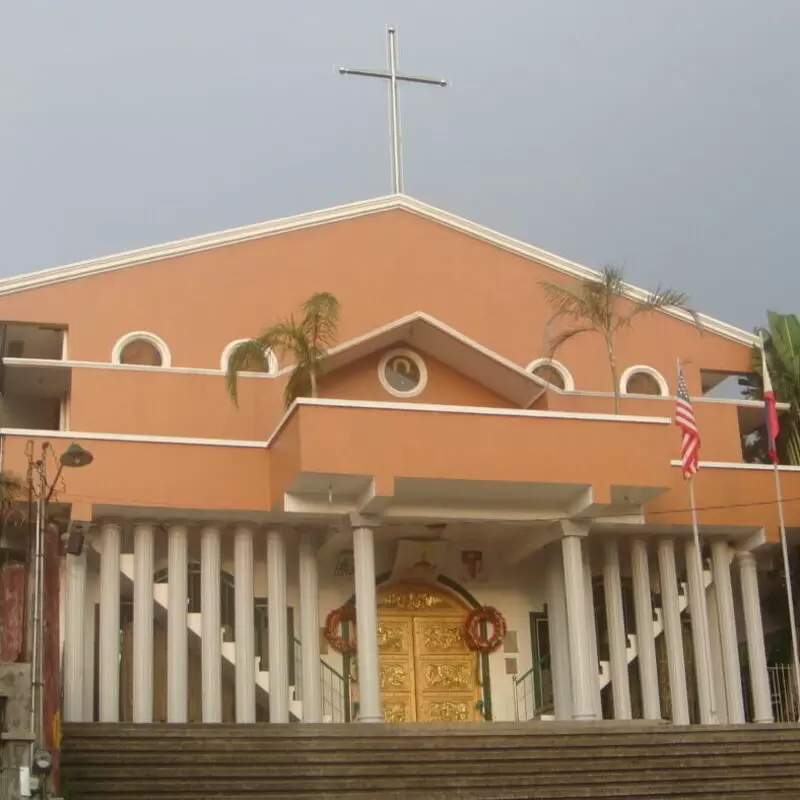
(457, 528)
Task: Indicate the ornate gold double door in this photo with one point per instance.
(427, 673)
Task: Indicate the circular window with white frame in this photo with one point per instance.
(268, 365)
(403, 373)
(141, 349)
(643, 380)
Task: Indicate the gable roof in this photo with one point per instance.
(466, 356)
(195, 244)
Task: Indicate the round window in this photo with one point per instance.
(140, 352)
(402, 373)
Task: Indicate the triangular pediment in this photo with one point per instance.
(432, 337)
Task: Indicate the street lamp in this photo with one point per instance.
(73, 456)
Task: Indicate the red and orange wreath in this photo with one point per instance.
(333, 622)
(472, 629)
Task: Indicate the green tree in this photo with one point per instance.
(603, 305)
(306, 340)
(782, 349)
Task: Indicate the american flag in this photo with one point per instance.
(684, 419)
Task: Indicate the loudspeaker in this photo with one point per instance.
(75, 539)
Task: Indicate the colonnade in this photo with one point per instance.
(109, 545)
(573, 645)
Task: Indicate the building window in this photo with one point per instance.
(403, 373)
(552, 372)
(643, 380)
(269, 366)
(142, 349)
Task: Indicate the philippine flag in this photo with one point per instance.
(773, 426)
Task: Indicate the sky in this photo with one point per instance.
(661, 136)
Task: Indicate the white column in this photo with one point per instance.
(720, 560)
(108, 663)
(583, 707)
(700, 635)
(643, 609)
(177, 630)
(593, 675)
(89, 642)
(617, 639)
(211, 624)
(367, 625)
(75, 602)
(309, 628)
(143, 622)
(278, 634)
(559, 634)
(670, 608)
(754, 631)
(715, 655)
(244, 636)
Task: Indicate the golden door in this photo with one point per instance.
(427, 673)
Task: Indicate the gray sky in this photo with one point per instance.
(661, 135)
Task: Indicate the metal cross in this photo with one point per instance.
(393, 77)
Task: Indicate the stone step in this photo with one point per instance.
(498, 760)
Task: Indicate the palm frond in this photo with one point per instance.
(248, 356)
(321, 319)
(298, 384)
(565, 301)
(563, 337)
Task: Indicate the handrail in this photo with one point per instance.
(537, 665)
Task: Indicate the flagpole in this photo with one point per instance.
(787, 579)
(706, 655)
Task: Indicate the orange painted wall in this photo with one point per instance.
(382, 266)
(445, 386)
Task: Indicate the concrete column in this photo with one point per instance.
(89, 643)
(643, 609)
(278, 630)
(671, 610)
(177, 630)
(108, 662)
(593, 675)
(700, 636)
(720, 560)
(143, 622)
(583, 707)
(754, 631)
(211, 624)
(75, 602)
(715, 658)
(617, 638)
(309, 628)
(367, 624)
(244, 636)
(559, 634)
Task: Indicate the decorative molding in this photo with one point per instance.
(339, 213)
(738, 465)
(272, 359)
(32, 433)
(418, 361)
(663, 386)
(146, 336)
(566, 375)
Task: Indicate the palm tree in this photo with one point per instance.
(603, 305)
(306, 340)
(782, 348)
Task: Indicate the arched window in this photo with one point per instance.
(272, 360)
(643, 380)
(403, 373)
(554, 372)
(141, 348)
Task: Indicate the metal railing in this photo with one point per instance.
(783, 693)
(335, 696)
(533, 694)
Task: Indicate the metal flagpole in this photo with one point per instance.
(788, 580)
(706, 667)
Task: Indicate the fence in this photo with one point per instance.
(783, 693)
(533, 692)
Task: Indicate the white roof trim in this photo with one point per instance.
(195, 244)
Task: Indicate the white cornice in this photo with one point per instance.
(195, 244)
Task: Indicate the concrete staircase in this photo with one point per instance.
(471, 761)
(228, 649)
(632, 650)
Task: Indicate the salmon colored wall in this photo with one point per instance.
(158, 475)
(481, 447)
(445, 386)
(381, 266)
